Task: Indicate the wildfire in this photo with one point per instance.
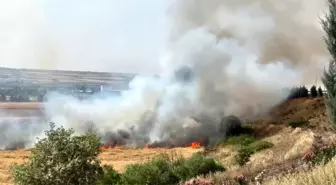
(195, 145)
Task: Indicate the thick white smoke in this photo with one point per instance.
(205, 77)
(224, 57)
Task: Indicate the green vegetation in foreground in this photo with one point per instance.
(64, 159)
(61, 159)
(329, 75)
(163, 170)
(247, 145)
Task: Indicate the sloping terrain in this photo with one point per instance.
(290, 144)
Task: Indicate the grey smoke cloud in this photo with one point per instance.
(286, 31)
(223, 57)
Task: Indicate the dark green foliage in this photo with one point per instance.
(61, 159)
(163, 170)
(313, 91)
(260, 145)
(320, 155)
(296, 124)
(247, 145)
(245, 152)
(329, 75)
(243, 155)
(320, 92)
(243, 140)
(157, 171)
(298, 92)
(324, 155)
(197, 165)
(110, 177)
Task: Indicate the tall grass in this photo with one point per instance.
(321, 175)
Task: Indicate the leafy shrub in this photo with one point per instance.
(246, 151)
(61, 159)
(156, 171)
(242, 140)
(165, 171)
(197, 165)
(328, 77)
(321, 155)
(260, 145)
(324, 155)
(243, 155)
(110, 176)
(296, 124)
(247, 145)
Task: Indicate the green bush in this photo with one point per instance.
(320, 155)
(247, 145)
(260, 145)
(324, 155)
(165, 171)
(61, 159)
(245, 152)
(197, 165)
(243, 155)
(243, 140)
(110, 177)
(156, 171)
(296, 124)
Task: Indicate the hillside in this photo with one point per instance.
(290, 144)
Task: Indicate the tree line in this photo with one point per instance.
(303, 92)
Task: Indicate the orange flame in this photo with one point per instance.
(195, 145)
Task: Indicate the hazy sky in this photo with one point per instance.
(104, 35)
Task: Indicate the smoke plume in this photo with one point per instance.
(223, 58)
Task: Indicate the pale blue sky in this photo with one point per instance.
(103, 35)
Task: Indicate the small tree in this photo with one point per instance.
(305, 92)
(320, 92)
(329, 76)
(313, 91)
(61, 159)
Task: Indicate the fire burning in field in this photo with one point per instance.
(195, 145)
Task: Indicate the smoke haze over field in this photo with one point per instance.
(222, 57)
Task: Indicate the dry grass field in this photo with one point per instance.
(119, 158)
